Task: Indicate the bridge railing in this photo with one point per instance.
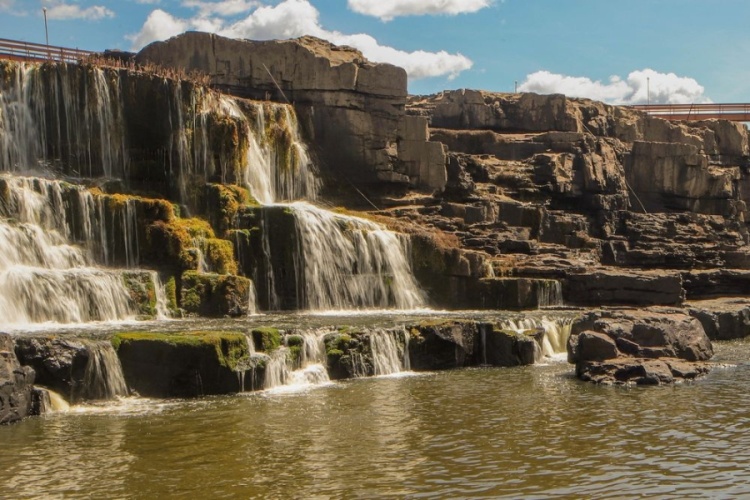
(726, 111)
(27, 51)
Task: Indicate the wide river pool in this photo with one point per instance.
(532, 432)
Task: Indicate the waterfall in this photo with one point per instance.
(390, 351)
(351, 262)
(334, 262)
(310, 368)
(556, 332)
(61, 113)
(549, 293)
(278, 167)
(103, 377)
(277, 369)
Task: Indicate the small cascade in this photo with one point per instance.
(252, 302)
(105, 226)
(57, 402)
(556, 333)
(309, 369)
(278, 167)
(390, 351)
(340, 262)
(549, 293)
(103, 378)
(277, 369)
(162, 307)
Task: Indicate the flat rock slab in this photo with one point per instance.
(640, 371)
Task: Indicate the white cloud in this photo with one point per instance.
(63, 12)
(386, 10)
(638, 88)
(148, 2)
(6, 4)
(222, 8)
(159, 25)
(294, 18)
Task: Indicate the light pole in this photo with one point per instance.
(46, 32)
(648, 90)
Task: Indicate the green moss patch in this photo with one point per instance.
(266, 339)
(230, 347)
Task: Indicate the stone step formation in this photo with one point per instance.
(173, 198)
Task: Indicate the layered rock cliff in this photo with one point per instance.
(352, 110)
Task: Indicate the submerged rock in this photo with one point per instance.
(642, 347)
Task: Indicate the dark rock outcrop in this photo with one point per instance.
(723, 319)
(351, 109)
(642, 347)
(60, 364)
(16, 384)
(182, 364)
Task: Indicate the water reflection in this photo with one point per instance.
(531, 431)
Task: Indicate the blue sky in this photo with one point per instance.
(687, 50)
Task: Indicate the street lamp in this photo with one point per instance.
(46, 32)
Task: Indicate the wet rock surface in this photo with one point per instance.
(16, 384)
(638, 346)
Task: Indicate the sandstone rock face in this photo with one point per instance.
(642, 347)
(351, 109)
(723, 319)
(619, 207)
(16, 384)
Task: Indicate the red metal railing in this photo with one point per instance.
(739, 112)
(27, 51)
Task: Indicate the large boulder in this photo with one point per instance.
(186, 364)
(16, 384)
(352, 109)
(60, 364)
(643, 347)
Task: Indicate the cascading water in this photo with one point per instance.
(390, 351)
(309, 369)
(556, 333)
(339, 261)
(350, 262)
(103, 378)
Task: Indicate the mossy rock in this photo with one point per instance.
(215, 295)
(266, 339)
(184, 364)
(219, 255)
(140, 286)
(170, 290)
(222, 204)
(171, 245)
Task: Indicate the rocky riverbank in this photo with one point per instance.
(461, 200)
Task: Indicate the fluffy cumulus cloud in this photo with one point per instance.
(639, 87)
(386, 10)
(294, 18)
(64, 11)
(159, 25)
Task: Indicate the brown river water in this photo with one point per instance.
(533, 432)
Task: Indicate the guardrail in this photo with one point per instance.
(27, 51)
(726, 111)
